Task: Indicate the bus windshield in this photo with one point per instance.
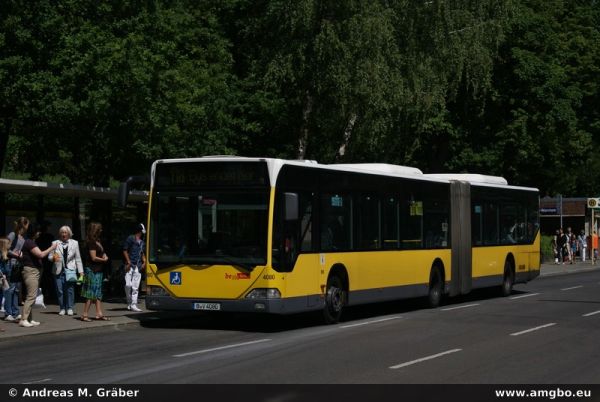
(209, 227)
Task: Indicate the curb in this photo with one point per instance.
(112, 324)
(573, 271)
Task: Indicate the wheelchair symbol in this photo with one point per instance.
(175, 278)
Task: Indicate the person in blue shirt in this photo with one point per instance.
(135, 262)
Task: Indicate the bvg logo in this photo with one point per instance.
(240, 275)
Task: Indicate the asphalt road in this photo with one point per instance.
(547, 332)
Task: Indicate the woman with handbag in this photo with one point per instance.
(92, 284)
(32, 272)
(67, 264)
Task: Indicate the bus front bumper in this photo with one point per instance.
(272, 306)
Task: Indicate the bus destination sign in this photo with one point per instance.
(211, 174)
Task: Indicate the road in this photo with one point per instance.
(547, 332)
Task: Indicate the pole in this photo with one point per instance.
(561, 206)
(594, 237)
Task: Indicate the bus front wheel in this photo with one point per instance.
(335, 299)
(509, 279)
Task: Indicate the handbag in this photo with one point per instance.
(71, 275)
(16, 265)
(16, 272)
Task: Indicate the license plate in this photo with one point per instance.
(207, 306)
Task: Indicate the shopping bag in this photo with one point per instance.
(39, 300)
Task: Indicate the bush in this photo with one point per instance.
(546, 248)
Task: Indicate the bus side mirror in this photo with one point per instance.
(291, 206)
(123, 193)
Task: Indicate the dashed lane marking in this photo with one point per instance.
(237, 345)
(573, 287)
(424, 359)
(38, 381)
(459, 307)
(533, 329)
(522, 296)
(592, 313)
(370, 322)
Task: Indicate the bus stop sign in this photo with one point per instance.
(593, 203)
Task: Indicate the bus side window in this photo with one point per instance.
(490, 223)
(336, 222)
(368, 220)
(476, 224)
(411, 223)
(306, 217)
(390, 226)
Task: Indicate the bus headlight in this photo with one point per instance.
(270, 293)
(156, 291)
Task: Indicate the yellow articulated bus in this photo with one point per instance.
(279, 236)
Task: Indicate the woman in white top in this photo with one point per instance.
(67, 263)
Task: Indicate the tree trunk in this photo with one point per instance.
(347, 135)
(303, 138)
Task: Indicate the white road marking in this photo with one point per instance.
(458, 307)
(574, 287)
(237, 345)
(592, 313)
(38, 381)
(369, 322)
(533, 329)
(424, 359)
(522, 296)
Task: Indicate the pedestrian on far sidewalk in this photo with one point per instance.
(582, 239)
(135, 262)
(574, 247)
(14, 270)
(554, 245)
(570, 239)
(66, 267)
(563, 246)
(92, 284)
(32, 272)
(4, 247)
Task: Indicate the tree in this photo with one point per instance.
(535, 129)
(96, 89)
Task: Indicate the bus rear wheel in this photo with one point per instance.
(335, 299)
(509, 279)
(436, 288)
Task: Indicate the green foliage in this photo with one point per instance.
(100, 89)
(536, 128)
(97, 90)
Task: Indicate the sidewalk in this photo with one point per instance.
(51, 322)
(117, 311)
(550, 268)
